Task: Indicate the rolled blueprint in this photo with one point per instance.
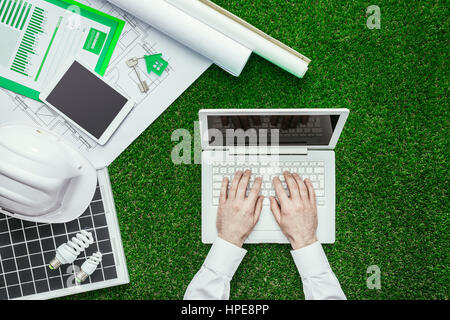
(219, 48)
(246, 34)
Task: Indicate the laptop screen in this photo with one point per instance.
(270, 130)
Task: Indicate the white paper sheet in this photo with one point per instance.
(222, 50)
(137, 39)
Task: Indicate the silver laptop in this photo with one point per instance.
(268, 142)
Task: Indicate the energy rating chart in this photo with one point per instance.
(38, 37)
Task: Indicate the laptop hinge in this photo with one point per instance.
(268, 150)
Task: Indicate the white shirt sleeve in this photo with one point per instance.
(319, 281)
(212, 281)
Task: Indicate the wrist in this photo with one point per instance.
(302, 242)
(231, 239)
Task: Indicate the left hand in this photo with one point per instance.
(237, 214)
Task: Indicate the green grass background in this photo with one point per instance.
(391, 183)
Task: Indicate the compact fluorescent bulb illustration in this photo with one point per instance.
(88, 267)
(68, 252)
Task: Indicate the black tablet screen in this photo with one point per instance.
(86, 100)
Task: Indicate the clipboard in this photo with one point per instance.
(41, 35)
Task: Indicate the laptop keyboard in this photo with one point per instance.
(313, 170)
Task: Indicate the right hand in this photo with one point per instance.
(297, 214)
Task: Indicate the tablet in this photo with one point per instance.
(85, 100)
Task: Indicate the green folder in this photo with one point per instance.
(104, 51)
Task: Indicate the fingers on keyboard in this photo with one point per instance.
(312, 170)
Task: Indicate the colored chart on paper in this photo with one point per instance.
(38, 37)
(30, 40)
(14, 13)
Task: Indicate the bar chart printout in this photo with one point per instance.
(39, 37)
(30, 40)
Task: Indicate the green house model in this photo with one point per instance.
(155, 63)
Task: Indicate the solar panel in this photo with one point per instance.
(26, 248)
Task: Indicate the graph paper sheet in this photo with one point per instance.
(137, 39)
(26, 248)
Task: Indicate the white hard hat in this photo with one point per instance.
(42, 177)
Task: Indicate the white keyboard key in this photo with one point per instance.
(217, 185)
(216, 201)
(319, 170)
(217, 178)
(320, 193)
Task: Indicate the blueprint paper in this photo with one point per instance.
(137, 39)
(244, 33)
(219, 48)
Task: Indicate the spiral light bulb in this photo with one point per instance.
(68, 252)
(88, 267)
